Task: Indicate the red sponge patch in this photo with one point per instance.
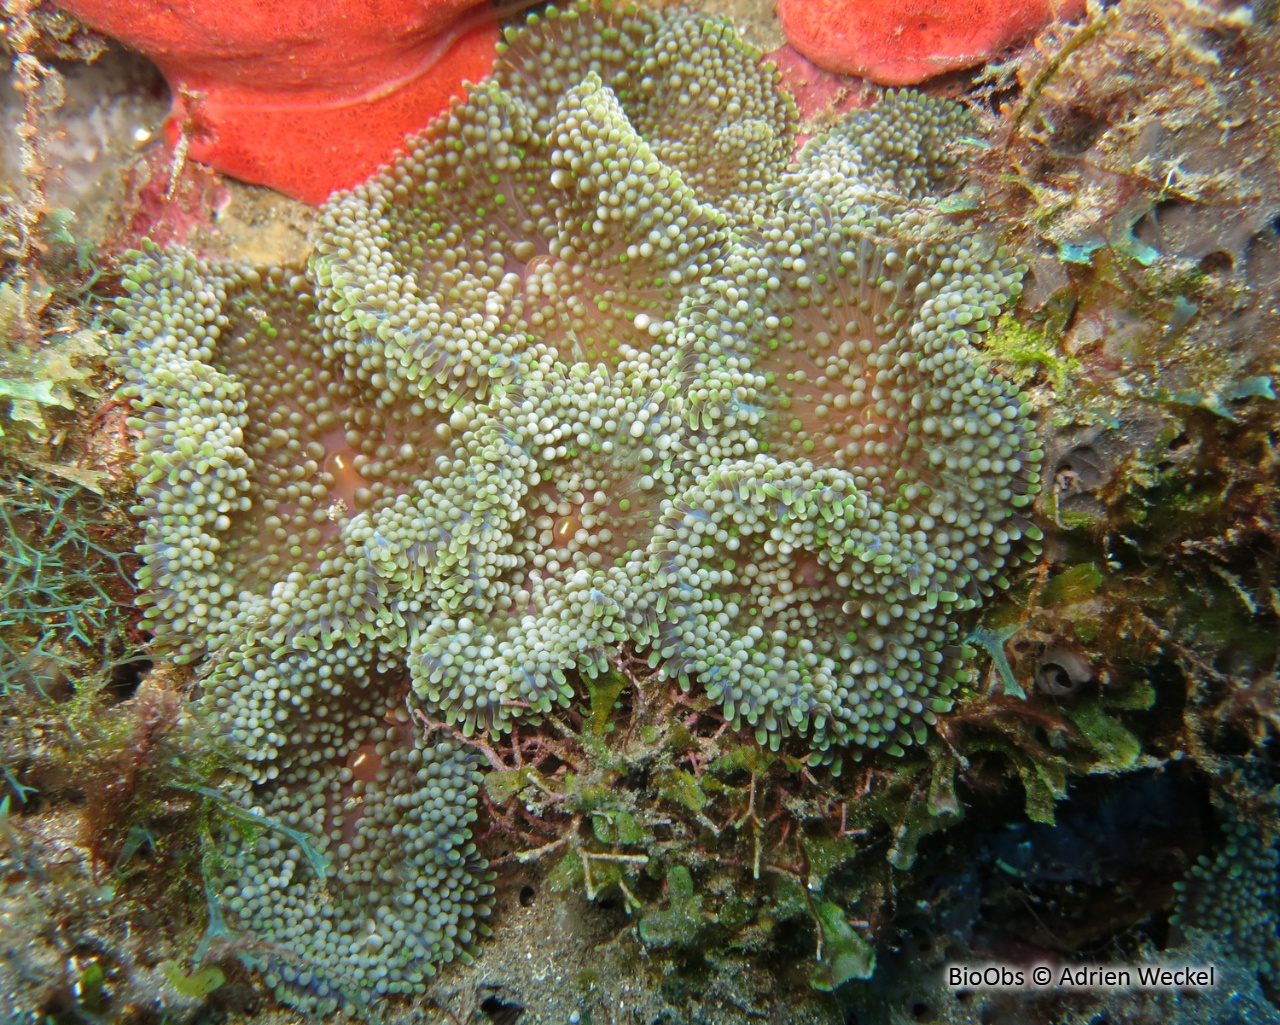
(900, 43)
(309, 97)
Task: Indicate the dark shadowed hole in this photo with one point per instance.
(125, 677)
(636, 779)
(527, 893)
(1078, 132)
(1054, 679)
(920, 1011)
(920, 941)
(1179, 444)
(1217, 262)
(500, 1012)
(1166, 207)
(851, 1018)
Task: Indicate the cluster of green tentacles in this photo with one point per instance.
(595, 361)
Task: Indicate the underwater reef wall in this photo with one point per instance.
(558, 461)
(594, 362)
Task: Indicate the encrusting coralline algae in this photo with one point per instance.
(591, 363)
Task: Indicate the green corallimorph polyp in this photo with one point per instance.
(514, 412)
(1232, 896)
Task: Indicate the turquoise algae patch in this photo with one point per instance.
(593, 362)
